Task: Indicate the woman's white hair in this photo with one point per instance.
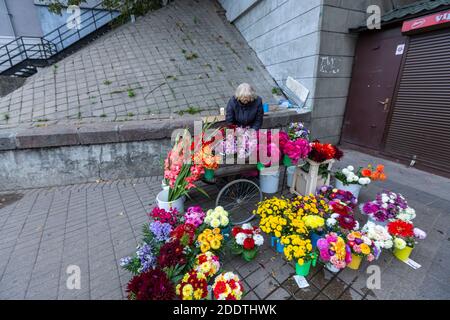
(245, 93)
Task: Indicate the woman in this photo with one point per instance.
(245, 108)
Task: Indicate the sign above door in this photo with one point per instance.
(427, 23)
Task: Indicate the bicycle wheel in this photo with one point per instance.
(240, 198)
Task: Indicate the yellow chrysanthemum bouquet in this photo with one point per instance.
(210, 240)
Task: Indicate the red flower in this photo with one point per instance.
(249, 243)
(184, 231)
(347, 221)
(220, 288)
(340, 208)
(151, 285)
(171, 254)
(236, 230)
(401, 228)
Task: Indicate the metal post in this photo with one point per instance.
(60, 39)
(43, 48)
(9, 56)
(23, 46)
(93, 17)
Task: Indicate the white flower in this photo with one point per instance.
(350, 168)
(228, 276)
(335, 215)
(215, 223)
(259, 239)
(247, 226)
(355, 178)
(345, 171)
(388, 244)
(384, 198)
(367, 240)
(356, 225)
(331, 222)
(384, 205)
(224, 221)
(240, 237)
(349, 179)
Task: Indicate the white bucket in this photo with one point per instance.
(161, 200)
(353, 188)
(269, 179)
(290, 175)
(164, 186)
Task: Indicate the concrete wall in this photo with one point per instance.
(24, 18)
(310, 41)
(44, 167)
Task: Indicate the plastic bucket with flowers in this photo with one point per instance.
(355, 263)
(403, 254)
(353, 188)
(304, 268)
(163, 203)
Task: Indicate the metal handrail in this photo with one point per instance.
(45, 48)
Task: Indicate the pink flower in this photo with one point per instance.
(370, 257)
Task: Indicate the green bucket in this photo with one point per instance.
(303, 270)
(209, 174)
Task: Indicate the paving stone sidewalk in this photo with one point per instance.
(92, 226)
(183, 55)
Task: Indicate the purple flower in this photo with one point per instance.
(419, 233)
(125, 261)
(146, 257)
(160, 230)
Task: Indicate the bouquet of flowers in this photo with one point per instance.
(239, 141)
(194, 216)
(361, 245)
(311, 205)
(171, 217)
(161, 232)
(321, 152)
(386, 206)
(269, 153)
(217, 217)
(314, 223)
(193, 286)
(184, 233)
(333, 250)
(210, 240)
(143, 260)
(332, 194)
(227, 286)
(172, 254)
(362, 177)
(150, 285)
(342, 223)
(294, 149)
(207, 158)
(297, 130)
(379, 234)
(404, 234)
(181, 171)
(207, 263)
(246, 241)
(295, 247)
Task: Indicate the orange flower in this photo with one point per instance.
(366, 172)
(382, 176)
(375, 176)
(380, 168)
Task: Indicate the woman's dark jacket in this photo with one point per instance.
(245, 115)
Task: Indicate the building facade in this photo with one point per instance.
(310, 41)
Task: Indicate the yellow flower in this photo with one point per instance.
(365, 249)
(210, 237)
(198, 294)
(187, 290)
(215, 244)
(204, 247)
(216, 231)
(207, 231)
(201, 238)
